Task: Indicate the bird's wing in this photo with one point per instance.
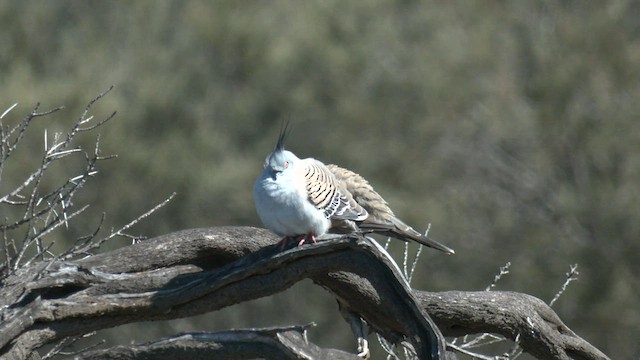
(327, 194)
(363, 193)
(381, 218)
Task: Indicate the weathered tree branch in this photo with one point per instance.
(195, 271)
(275, 343)
(70, 298)
(542, 333)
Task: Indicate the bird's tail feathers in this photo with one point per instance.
(401, 231)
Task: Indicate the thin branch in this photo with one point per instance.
(21, 129)
(42, 232)
(462, 350)
(85, 349)
(572, 275)
(516, 350)
(82, 242)
(99, 123)
(387, 347)
(7, 111)
(417, 257)
(120, 232)
(504, 270)
(482, 340)
(269, 343)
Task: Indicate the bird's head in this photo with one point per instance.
(280, 159)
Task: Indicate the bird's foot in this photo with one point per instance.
(302, 239)
(298, 239)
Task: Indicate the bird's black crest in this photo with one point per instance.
(285, 129)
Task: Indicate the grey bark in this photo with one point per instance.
(195, 271)
(276, 343)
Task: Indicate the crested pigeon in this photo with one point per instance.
(304, 198)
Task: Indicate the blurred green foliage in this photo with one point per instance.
(511, 127)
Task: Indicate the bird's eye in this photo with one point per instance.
(286, 164)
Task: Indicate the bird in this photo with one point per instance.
(303, 199)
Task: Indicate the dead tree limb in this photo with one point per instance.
(195, 271)
(275, 343)
(61, 299)
(542, 333)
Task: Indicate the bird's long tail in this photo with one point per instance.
(401, 231)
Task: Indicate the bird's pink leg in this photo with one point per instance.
(305, 237)
(300, 239)
(282, 243)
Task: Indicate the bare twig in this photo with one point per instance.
(58, 349)
(482, 340)
(417, 257)
(268, 343)
(8, 110)
(463, 350)
(121, 232)
(516, 350)
(572, 275)
(504, 270)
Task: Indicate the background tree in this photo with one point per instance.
(509, 127)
